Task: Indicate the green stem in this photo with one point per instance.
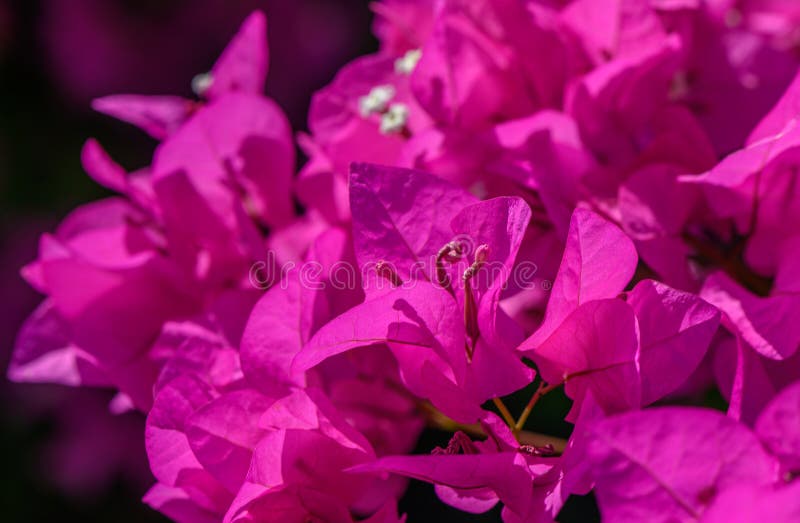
(509, 419)
(541, 391)
(437, 420)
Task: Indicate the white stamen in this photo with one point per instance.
(394, 120)
(406, 63)
(376, 101)
(202, 83)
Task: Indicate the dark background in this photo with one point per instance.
(63, 456)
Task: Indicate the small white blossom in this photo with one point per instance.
(406, 63)
(376, 101)
(394, 120)
(202, 83)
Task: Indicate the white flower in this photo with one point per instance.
(202, 83)
(376, 101)
(406, 63)
(394, 120)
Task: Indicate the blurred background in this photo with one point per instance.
(64, 456)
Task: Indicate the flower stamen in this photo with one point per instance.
(376, 101)
(451, 252)
(394, 120)
(388, 272)
(406, 64)
(470, 307)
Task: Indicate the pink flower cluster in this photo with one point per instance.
(642, 156)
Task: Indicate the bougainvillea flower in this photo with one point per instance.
(402, 25)
(402, 217)
(585, 273)
(364, 388)
(116, 271)
(766, 324)
(780, 504)
(352, 120)
(44, 352)
(629, 350)
(446, 336)
(240, 144)
(487, 61)
(202, 446)
(669, 464)
(98, 264)
(298, 470)
(475, 475)
(778, 429)
(241, 67)
(756, 186)
(158, 116)
(748, 380)
(575, 191)
(288, 315)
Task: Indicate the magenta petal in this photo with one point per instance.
(667, 464)
(745, 504)
(291, 505)
(654, 204)
(768, 325)
(495, 371)
(596, 350)
(730, 184)
(422, 319)
(577, 477)
(191, 348)
(402, 217)
(612, 27)
(484, 62)
(165, 437)
(274, 336)
(299, 458)
(240, 139)
(171, 458)
(158, 116)
(43, 353)
(310, 410)
(598, 262)
(176, 504)
(782, 114)
(386, 514)
(474, 501)
(750, 380)
(787, 279)
(778, 426)
(676, 329)
(503, 473)
(500, 224)
(102, 168)
(244, 63)
(222, 435)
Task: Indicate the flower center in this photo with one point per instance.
(470, 306)
(406, 64)
(376, 101)
(394, 120)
